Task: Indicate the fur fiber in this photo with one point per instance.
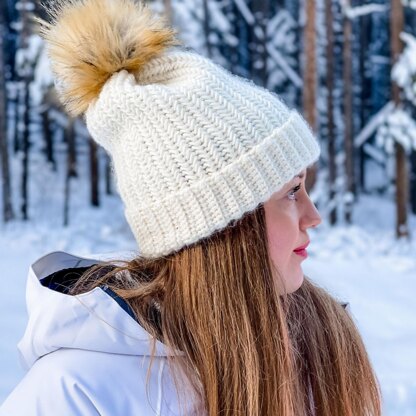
(89, 40)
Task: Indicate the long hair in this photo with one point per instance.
(247, 349)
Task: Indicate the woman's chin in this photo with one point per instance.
(294, 282)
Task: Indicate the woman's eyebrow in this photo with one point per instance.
(290, 184)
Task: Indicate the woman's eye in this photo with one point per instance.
(292, 194)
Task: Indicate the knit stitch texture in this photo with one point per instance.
(194, 147)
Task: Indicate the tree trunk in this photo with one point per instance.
(396, 26)
(4, 148)
(232, 49)
(207, 29)
(260, 9)
(413, 182)
(365, 92)
(108, 174)
(25, 151)
(310, 80)
(26, 76)
(94, 173)
(293, 7)
(330, 104)
(168, 10)
(48, 137)
(70, 167)
(17, 104)
(348, 117)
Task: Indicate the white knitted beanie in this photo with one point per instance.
(193, 146)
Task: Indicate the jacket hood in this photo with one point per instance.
(91, 321)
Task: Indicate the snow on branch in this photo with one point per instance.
(409, 3)
(404, 71)
(284, 66)
(373, 124)
(375, 153)
(42, 79)
(245, 11)
(400, 127)
(282, 47)
(217, 16)
(29, 54)
(358, 11)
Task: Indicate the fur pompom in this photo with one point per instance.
(89, 40)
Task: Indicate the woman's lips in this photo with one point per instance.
(301, 251)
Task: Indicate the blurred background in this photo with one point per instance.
(349, 66)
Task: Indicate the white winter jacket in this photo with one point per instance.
(86, 355)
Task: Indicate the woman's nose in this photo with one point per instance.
(311, 217)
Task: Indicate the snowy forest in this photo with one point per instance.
(348, 66)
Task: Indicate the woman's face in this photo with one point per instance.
(289, 213)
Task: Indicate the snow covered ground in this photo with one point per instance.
(362, 264)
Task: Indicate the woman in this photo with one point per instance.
(214, 316)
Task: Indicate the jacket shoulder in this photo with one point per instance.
(77, 382)
(48, 389)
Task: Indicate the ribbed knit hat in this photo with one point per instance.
(193, 146)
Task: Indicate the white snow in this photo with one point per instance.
(28, 55)
(245, 11)
(188, 16)
(358, 11)
(222, 24)
(375, 152)
(373, 124)
(281, 47)
(43, 78)
(409, 3)
(400, 127)
(284, 66)
(26, 5)
(404, 70)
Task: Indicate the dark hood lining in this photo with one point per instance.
(62, 280)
